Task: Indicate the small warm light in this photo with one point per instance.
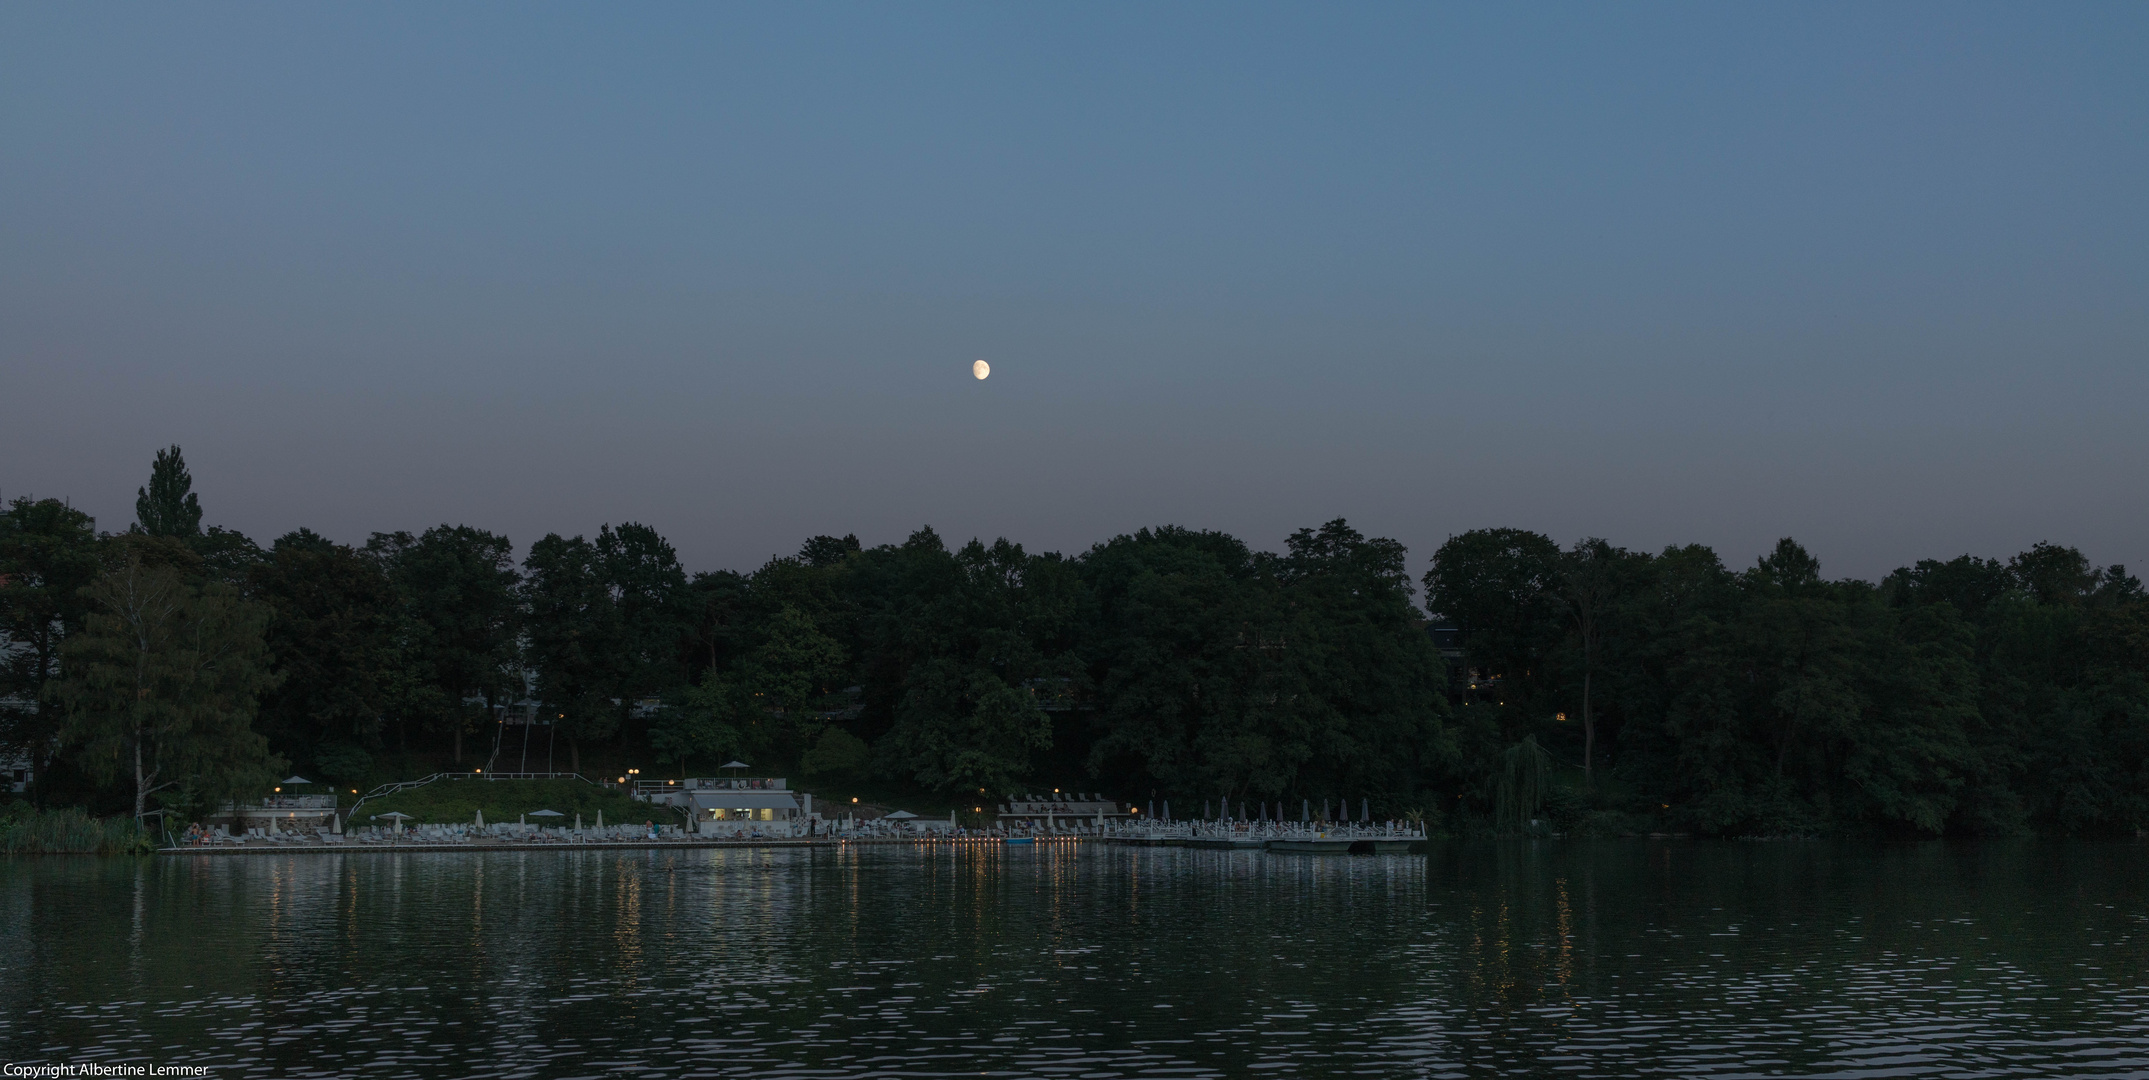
(854, 798)
(1561, 717)
(279, 789)
(480, 770)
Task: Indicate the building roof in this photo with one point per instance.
(742, 800)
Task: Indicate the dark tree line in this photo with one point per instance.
(1593, 687)
(1968, 697)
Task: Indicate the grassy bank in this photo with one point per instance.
(452, 801)
(28, 831)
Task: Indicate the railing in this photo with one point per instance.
(294, 802)
(720, 783)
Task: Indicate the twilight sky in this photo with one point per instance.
(1874, 276)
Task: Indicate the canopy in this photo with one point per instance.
(546, 813)
(901, 815)
(742, 800)
(296, 780)
(393, 815)
(734, 765)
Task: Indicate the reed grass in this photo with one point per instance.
(69, 831)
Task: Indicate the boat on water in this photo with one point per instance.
(1021, 840)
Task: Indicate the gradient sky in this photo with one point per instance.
(1873, 276)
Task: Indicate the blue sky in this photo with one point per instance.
(1873, 276)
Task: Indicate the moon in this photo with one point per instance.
(981, 369)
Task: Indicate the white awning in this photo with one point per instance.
(742, 800)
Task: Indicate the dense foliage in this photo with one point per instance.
(1587, 688)
(1960, 697)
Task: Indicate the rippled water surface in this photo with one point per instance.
(1614, 959)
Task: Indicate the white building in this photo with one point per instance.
(735, 805)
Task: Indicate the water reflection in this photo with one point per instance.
(1526, 958)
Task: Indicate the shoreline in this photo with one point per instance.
(606, 845)
(1417, 846)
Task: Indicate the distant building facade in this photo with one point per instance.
(1061, 809)
(726, 806)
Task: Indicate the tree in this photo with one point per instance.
(168, 506)
(965, 634)
(1501, 588)
(161, 687)
(1371, 684)
(702, 723)
(962, 728)
(836, 753)
(576, 646)
(1591, 579)
(337, 638)
(458, 589)
(48, 555)
(649, 592)
(1183, 649)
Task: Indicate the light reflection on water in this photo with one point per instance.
(1613, 959)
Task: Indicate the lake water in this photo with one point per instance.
(1549, 958)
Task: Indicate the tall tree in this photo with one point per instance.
(1501, 588)
(1364, 658)
(48, 555)
(458, 588)
(576, 640)
(168, 506)
(337, 638)
(1184, 649)
(974, 629)
(161, 687)
(1592, 577)
(649, 593)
